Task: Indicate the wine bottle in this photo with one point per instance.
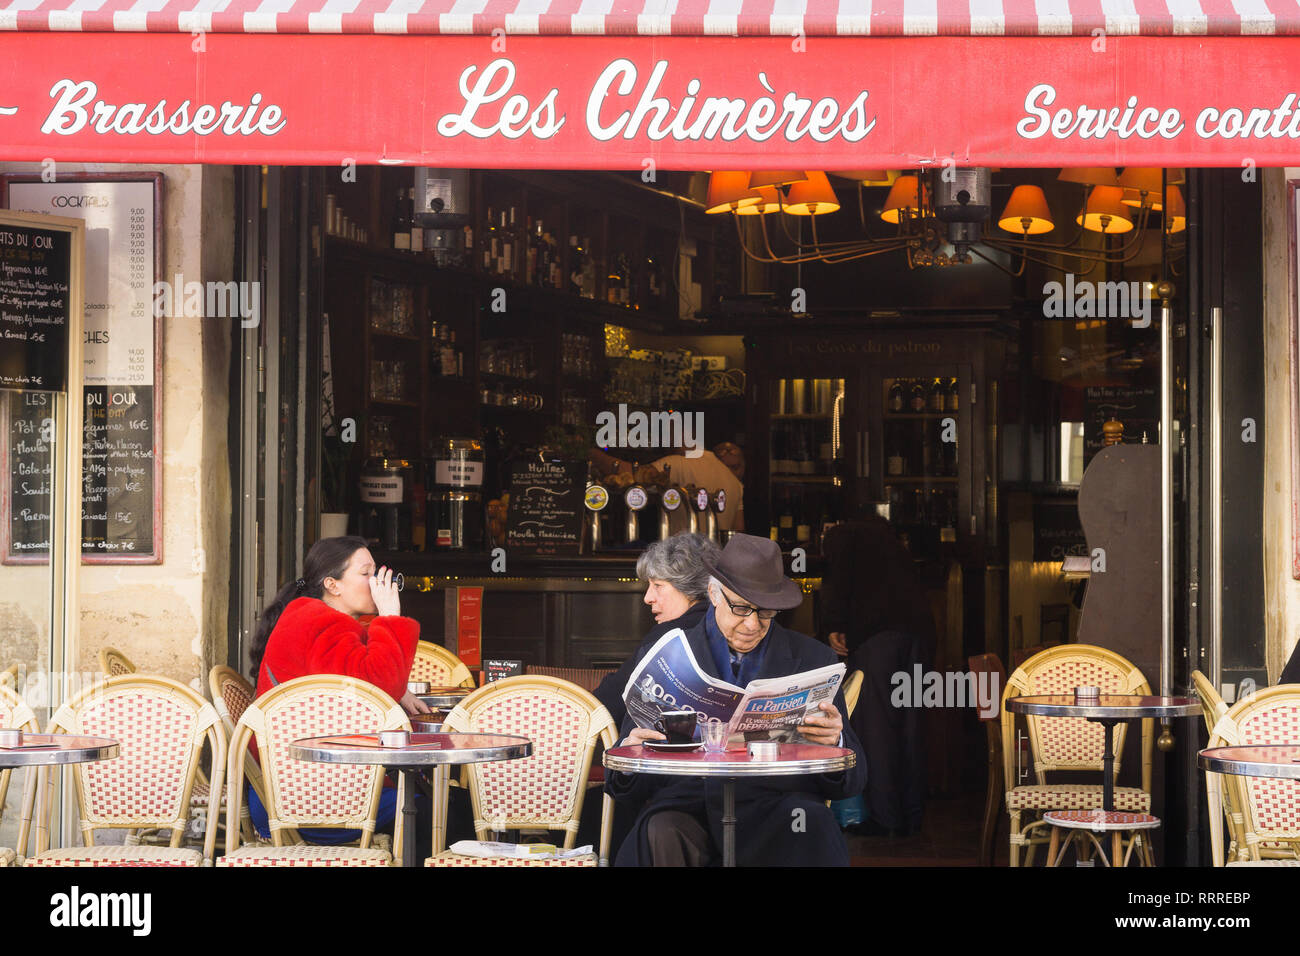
(917, 401)
(401, 223)
(896, 401)
(937, 398)
(951, 400)
(417, 229)
(896, 462)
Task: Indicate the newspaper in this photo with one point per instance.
(770, 708)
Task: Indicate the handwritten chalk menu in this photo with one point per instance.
(35, 278)
(545, 515)
(1136, 406)
(1058, 534)
(121, 472)
(28, 481)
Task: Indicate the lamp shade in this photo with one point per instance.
(812, 197)
(1105, 211)
(728, 190)
(768, 201)
(868, 177)
(1175, 210)
(1140, 180)
(1026, 213)
(776, 177)
(904, 195)
(1089, 175)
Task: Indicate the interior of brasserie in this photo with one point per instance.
(945, 349)
(939, 388)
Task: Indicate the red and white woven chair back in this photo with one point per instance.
(545, 789)
(1273, 805)
(160, 727)
(439, 666)
(114, 663)
(231, 694)
(14, 715)
(1065, 743)
(302, 793)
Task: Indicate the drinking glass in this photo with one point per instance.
(714, 735)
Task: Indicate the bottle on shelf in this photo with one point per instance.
(916, 399)
(951, 399)
(506, 264)
(895, 456)
(937, 398)
(417, 229)
(785, 524)
(401, 223)
(897, 403)
(490, 241)
(588, 270)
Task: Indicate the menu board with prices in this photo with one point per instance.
(35, 283)
(545, 515)
(122, 424)
(28, 477)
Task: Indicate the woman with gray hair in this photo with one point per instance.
(677, 585)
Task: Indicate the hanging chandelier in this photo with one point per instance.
(943, 216)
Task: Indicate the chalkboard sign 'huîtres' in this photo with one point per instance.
(545, 515)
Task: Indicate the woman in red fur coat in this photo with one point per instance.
(343, 616)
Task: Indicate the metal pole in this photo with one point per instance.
(1214, 662)
(1166, 499)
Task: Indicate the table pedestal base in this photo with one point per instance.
(728, 822)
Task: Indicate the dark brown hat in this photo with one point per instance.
(752, 567)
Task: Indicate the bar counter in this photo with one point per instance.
(559, 611)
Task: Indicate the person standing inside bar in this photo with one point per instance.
(876, 613)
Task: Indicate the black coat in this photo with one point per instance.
(610, 691)
(779, 820)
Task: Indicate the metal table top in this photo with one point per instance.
(793, 759)
(55, 749)
(1106, 707)
(1259, 760)
(443, 698)
(424, 750)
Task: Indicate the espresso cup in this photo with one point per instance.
(677, 725)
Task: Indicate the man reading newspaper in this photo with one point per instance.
(780, 820)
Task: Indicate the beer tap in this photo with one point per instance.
(703, 519)
(595, 498)
(635, 498)
(717, 505)
(669, 501)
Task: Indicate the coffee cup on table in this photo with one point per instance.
(677, 725)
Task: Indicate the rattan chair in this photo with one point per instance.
(114, 663)
(231, 695)
(1218, 799)
(1269, 806)
(16, 715)
(9, 676)
(161, 727)
(440, 667)
(301, 793)
(1068, 743)
(588, 678)
(545, 790)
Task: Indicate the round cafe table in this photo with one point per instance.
(1257, 760)
(49, 750)
(424, 752)
(1107, 710)
(729, 766)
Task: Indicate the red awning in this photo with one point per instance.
(783, 18)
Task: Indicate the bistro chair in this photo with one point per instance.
(1213, 709)
(9, 676)
(16, 715)
(161, 727)
(588, 678)
(991, 664)
(301, 793)
(1269, 806)
(439, 666)
(231, 695)
(1068, 743)
(114, 663)
(545, 790)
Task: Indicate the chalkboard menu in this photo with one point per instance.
(28, 479)
(545, 515)
(35, 278)
(1136, 406)
(121, 510)
(117, 472)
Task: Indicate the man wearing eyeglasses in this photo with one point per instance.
(780, 820)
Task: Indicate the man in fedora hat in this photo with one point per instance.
(779, 820)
